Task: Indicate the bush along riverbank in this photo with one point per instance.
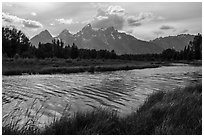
(177, 112)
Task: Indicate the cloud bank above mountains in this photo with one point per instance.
(142, 20)
(117, 17)
(11, 19)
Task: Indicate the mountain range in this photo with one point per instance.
(110, 39)
(177, 42)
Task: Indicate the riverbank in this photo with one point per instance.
(22, 66)
(65, 66)
(173, 112)
(188, 62)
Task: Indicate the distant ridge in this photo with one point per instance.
(177, 42)
(110, 39)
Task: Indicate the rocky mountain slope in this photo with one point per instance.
(177, 42)
(111, 39)
(43, 37)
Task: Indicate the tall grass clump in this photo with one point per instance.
(177, 112)
(98, 121)
(23, 122)
(174, 112)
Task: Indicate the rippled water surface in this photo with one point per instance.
(123, 91)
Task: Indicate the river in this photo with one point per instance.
(123, 91)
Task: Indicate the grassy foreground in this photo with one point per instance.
(173, 112)
(11, 66)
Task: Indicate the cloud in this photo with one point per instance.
(14, 20)
(9, 18)
(52, 24)
(33, 13)
(99, 5)
(166, 27)
(112, 16)
(161, 18)
(66, 21)
(158, 32)
(31, 24)
(117, 17)
(102, 17)
(184, 31)
(132, 21)
(115, 10)
(87, 21)
(143, 17)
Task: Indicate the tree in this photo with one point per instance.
(189, 52)
(197, 46)
(74, 51)
(113, 54)
(169, 54)
(14, 42)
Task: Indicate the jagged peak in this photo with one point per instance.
(45, 32)
(181, 35)
(65, 31)
(88, 26)
(111, 29)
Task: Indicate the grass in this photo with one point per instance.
(11, 66)
(177, 112)
(21, 66)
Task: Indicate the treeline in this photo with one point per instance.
(59, 50)
(16, 44)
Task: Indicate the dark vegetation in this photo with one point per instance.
(65, 66)
(177, 112)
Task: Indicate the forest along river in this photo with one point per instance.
(124, 91)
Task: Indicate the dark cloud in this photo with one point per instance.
(133, 22)
(166, 27)
(113, 16)
(20, 21)
(145, 16)
(7, 19)
(141, 18)
(107, 21)
(31, 24)
(117, 17)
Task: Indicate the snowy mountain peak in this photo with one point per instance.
(65, 32)
(87, 27)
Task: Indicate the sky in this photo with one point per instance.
(145, 21)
